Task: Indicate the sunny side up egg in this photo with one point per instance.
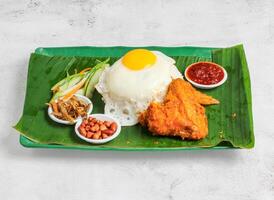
(135, 80)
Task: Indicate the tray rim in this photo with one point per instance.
(25, 142)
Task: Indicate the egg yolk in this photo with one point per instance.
(138, 59)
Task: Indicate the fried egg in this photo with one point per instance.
(132, 82)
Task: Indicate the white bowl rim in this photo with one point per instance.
(87, 100)
(202, 86)
(100, 117)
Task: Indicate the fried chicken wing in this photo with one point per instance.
(181, 114)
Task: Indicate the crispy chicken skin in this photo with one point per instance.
(181, 114)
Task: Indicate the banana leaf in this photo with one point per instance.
(230, 123)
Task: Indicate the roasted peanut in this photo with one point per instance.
(103, 127)
(82, 126)
(82, 131)
(108, 131)
(107, 123)
(87, 128)
(95, 128)
(89, 134)
(113, 126)
(96, 135)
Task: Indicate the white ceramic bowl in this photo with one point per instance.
(102, 117)
(202, 86)
(81, 97)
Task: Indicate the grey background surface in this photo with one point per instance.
(59, 174)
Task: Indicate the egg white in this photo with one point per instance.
(128, 92)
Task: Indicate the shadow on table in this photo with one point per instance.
(14, 149)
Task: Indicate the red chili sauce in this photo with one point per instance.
(205, 73)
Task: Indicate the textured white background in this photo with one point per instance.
(57, 174)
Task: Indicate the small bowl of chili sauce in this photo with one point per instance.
(205, 75)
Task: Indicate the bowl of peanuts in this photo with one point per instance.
(97, 128)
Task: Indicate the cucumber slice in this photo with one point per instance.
(94, 80)
(81, 91)
(68, 82)
(71, 81)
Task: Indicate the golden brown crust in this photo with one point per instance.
(181, 114)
